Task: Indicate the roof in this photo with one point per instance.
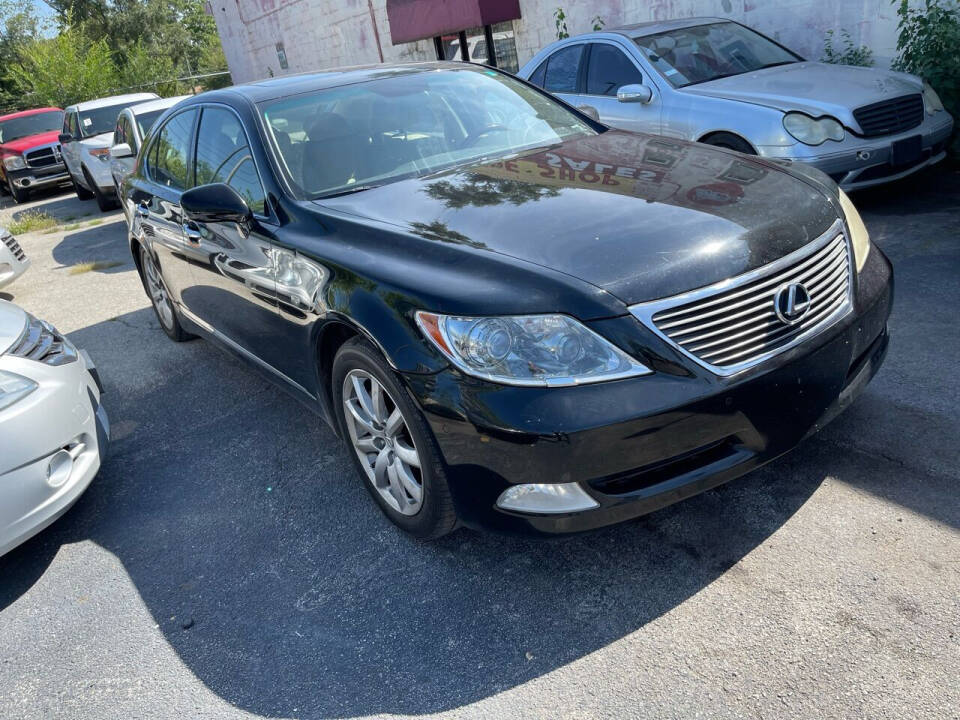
(112, 100)
(658, 26)
(161, 104)
(25, 113)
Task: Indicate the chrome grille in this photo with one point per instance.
(44, 157)
(40, 341)
(890, 116)
(11, 242)
(734, 325)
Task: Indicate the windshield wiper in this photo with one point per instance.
(347, 191)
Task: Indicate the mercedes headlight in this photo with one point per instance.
(14, 162)
(931, 101)
(812, 132)
(532, 350)
(14, 388)
(859, 237)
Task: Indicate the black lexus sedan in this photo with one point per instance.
(516, 317)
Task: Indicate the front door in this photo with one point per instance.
(71, 150)
(608, 69)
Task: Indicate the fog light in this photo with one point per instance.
(59, 468)
(546, 498)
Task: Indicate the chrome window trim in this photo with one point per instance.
(644, 312)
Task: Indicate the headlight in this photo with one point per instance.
(931, 101)
(538, 350)
(812, 132)
(14, 162)
(859, 237)
(101, 154)
(14, 388)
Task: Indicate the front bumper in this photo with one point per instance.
(63, 414)
(858, 163)
(640, 444)
(34, 178)
(13, 261)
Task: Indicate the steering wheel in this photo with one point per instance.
(471, 139)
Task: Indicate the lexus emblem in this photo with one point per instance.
(791, 303)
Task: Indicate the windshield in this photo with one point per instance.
(101, 120)
(22, 127)
(351, 137)
(707, 52)
(146, 120)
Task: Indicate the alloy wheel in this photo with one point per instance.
(383, 442)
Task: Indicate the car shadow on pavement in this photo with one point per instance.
(101, 248)
(239, 518)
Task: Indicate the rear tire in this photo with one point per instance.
(163, 305)
(385, 450)
(82, 192)
(730, 141)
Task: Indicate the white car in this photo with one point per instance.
(133, 124)
(13, 260)
(85, 144)
(53, 430)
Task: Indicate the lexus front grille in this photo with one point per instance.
(890, 116)
(11, 242)
(40, 341)
(736, 324)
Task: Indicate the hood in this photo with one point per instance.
(812, 87)
(12, 322)
(98, 141)
(640, 216)
(21, 145)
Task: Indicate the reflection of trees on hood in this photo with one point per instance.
(482, 191)
(437, 230)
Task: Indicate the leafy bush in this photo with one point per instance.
(849, 54)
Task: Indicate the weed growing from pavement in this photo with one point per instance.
(96, 265)
(31, 221)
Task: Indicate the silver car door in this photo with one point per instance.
(609, 68)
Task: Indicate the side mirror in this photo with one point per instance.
(65, 138)
(635, 94)
(216, 203)
(121, 150)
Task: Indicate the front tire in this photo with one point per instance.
(19, 196)
(160, 298)
(82, 192)
(104, 202)
(390, 443)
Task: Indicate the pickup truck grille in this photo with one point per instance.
(735, 324)
(40, 341)
(890, 116)
(44, 157)
(11, 242)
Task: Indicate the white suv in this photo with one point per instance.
(85, 142)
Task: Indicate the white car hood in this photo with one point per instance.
(12, 322)
(812, 87)
(103, 140)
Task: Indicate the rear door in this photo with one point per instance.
(155, 200)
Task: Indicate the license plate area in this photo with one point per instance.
(906, 151)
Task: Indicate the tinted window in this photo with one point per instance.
(169, 167)
(120, 134)
(609, 69)
(146, 120)
(562, 69)
(223, 156)
(538, 74)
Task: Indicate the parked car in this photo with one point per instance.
(85, 141)
(30, 152)
(514, 316)
(13, 260)
(724, 84)
(53, 430)
(133, 124)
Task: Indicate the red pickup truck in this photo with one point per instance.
(30, 152)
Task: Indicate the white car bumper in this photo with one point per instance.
(13, 261)
(51, 445)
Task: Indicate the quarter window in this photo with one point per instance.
(120, 134)
(537, 77)
(609, 70)
(223, 156)
(170, 152)
(562, 70)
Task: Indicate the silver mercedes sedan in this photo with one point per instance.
(721, 83)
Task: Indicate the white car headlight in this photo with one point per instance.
(812, 132)
(931, 101)
(532, 350)
(14, 162)
(14, 388)
(859, 237)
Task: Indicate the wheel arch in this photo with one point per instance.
(710, 134)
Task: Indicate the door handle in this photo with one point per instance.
(143, 209)
(192, 233)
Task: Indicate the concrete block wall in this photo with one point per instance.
(319, 34)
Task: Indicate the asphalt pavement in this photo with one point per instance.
(228, 563)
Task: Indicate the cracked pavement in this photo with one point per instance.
(227, 562)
